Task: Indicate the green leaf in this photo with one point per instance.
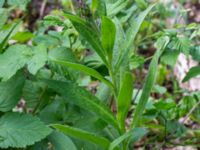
(13, 59)
(33, 91)
(23, 37)
(83, 99)
(182, 44)
(169, 57)
(10, 92)
(104, 93)
(124, 99)
(149, 81)
(3, 14)
(141, 3)
(20, 130)
(18, 3)
(8, 35)
(117, 7)
(38, 60)
(165, 104)
(135, 134)
(99, 7)
(88, 33)
(193, 72)
(61, 141)
(135, 26)
(131, 34)
(83, 135)
(2, 3)
(86, 70)
(108, 32)
(195, 53)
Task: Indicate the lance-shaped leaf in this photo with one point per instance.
(141, 3)
(108, 32)
(131, 34)
(86, 70)
(83, 135)
(89, 33)
(149, 81)
(124, 99)
(83, 98)
(5, 40)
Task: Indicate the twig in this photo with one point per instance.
(42, 8)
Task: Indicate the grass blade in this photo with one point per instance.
(149, 81)
(83, 135)
(133, 134)
(3, 43)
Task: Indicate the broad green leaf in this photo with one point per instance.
(47, 40)
(83, 135)
(88, 33)
(13, 59)
(135, 134)
(182, 44)
(61, 141)
(38, 59)
(169, 57)
(83, 99)
(62, 54)
(10, 92)
(34, 91)
(86, 70)
(165, 104)
(124, 99)
(53, 112)
(193, 72)
(20, 130)
(131, 34)
(108, 32)
(149, 81)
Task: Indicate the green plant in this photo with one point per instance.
(76, 88)
(119, 80)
